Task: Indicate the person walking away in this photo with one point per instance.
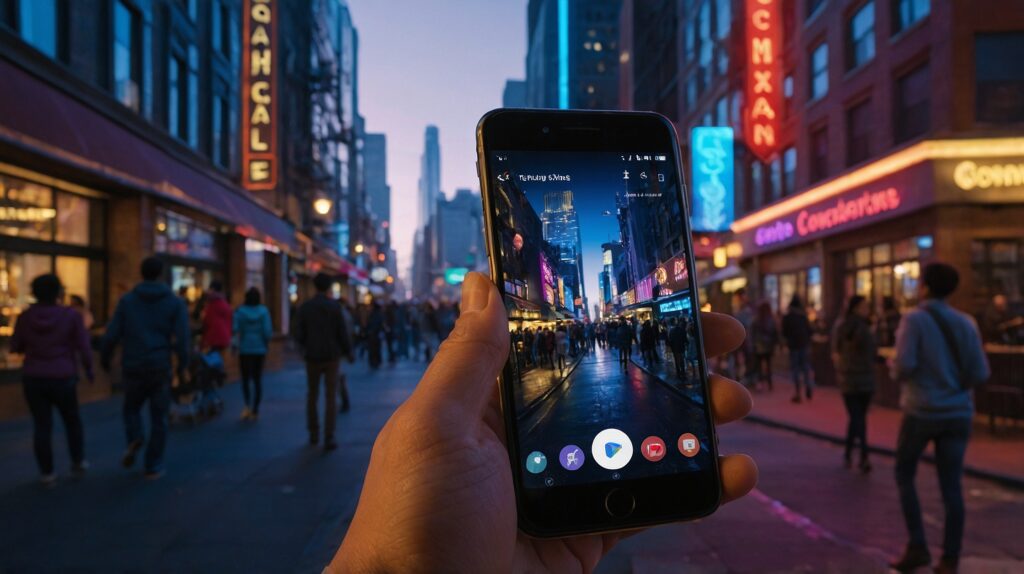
(626, 338)
(375, 327)
(648, 342)
(151, 323)
(766, 338)
(54, 340)
(78, 304)
(854, 353)
(252, 332)
(561, 347)
(429, 329)
(796, 330)
(939, 359)
(390, 329)
(744, 313)
(677, 344)
(321, 333)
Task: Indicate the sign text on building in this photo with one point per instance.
(968, 175)
(763, 101)
(820, 218)
(259, 95)
(712, 161)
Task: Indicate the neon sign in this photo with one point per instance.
(547, 280)
(259, 95)
(764, 74)
(968, 175)
(712, 159)
(815, 220)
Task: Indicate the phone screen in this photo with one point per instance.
(606, 382)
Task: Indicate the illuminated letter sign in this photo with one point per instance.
(968, 175)
(259, 96)
(764, 77)
(712, 161)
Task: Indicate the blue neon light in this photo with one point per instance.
(925, 242)
(713, 185)
(563, 54)
(677, 305)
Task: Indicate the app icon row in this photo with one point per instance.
(612, 449)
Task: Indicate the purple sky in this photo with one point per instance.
(442, 63)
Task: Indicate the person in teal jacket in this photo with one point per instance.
(252, 330)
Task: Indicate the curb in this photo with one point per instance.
(1006, 480)
(537, 402)
(658, 378)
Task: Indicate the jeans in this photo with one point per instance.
(328, 371)
(801, 370)
(680, 361)
(857, 426)
(763, 368)
(155, 387)
(252, 372)
(42, 394)
(950, 436)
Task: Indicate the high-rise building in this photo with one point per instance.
(375, 165)
(430, 176)
(561, 229)
(461, 230)
(572, 56)
(514, 95)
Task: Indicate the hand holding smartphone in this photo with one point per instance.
(605, 394)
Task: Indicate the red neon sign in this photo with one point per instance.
(259, 95)
(761, 114)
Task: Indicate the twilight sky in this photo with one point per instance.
(442, 63)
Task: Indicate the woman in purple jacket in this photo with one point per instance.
(53, 339)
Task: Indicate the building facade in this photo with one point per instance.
(514, 94)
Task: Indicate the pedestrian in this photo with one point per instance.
(346, 315)
(648, 342)
(217, 318)
(375, 327)
(549, 347)
(796, 330)
(561, 347)
(939, 359)
(744, 313)
(54, 340)
(626, 338)
(854, 352)
(677, 342)
(888, 322)
(78, 304)
(151, 323)
(252, 331)
(765, 334)
(429, 329)
(321, 333)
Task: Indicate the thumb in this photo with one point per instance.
(466, 368)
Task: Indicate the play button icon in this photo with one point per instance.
(612, 449)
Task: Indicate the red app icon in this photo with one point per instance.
(689, 445)
(653, 448)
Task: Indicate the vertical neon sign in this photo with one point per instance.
(713, 184)
(764, 74)
(259, 96)
(563, 54)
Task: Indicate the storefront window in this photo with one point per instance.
(814, 288)
(254, 263)
(179, 235)
(998, 268)
(26, 209)
(771, 291)
(886, 271)
(189, 281)
(73, 219)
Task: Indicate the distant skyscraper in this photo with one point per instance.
(376, 166)
(562, 230)
(572, 58)
(430, 176)
(461, 229)
(514, 95)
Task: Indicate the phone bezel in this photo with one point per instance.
(580, 509)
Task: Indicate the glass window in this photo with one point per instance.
(38, 25)
(789, 171)
(220, 28)
(859, 124)
(881, 253)
(127, 56)
(862, 257)
(26, 209)
(254, 264)
(776, 175)
(912, 109)
(819, 71)
(907, 12)
(819, 154)
(860, 36)
(771, 291)
(756, 184)
(221, 130)
(192, 105)
(787, 288)
(176, 100)
(723, 16)
(183, 236)
(814, 288)
(999, 77)
(722, 112)
(813, 6)
(73, 219)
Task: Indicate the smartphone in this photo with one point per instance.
(605, 393)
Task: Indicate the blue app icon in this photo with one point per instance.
(611, 449)
(536, 462)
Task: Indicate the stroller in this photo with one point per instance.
(197, 398)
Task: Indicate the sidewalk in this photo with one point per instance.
(998, 457)
(538, 383)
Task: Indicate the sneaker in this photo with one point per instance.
(246, 414)
(914, 557)
(49, 480)
(78, 470)
(128, 458)
(330, 445)
(153, 474)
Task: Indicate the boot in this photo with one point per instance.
(915, 556)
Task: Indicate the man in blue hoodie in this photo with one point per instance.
(150, 322)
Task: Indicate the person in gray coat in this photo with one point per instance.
(854, 352)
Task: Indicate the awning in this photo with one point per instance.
(722, 274)
(48, 123)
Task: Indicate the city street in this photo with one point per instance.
(256, 498)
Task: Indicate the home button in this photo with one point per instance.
(619, 503)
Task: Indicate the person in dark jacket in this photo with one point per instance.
(649, 342)
(54, 341)
(625, 336)
(252, 331)
(854, 352)
(376, 326)
(766, 338)
(677, 342)
(320, 330)
(150, 322)
(796, 330)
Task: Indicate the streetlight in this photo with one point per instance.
(381, 257)
(322, 206)
(359, 247)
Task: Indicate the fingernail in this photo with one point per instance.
(475, 291)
